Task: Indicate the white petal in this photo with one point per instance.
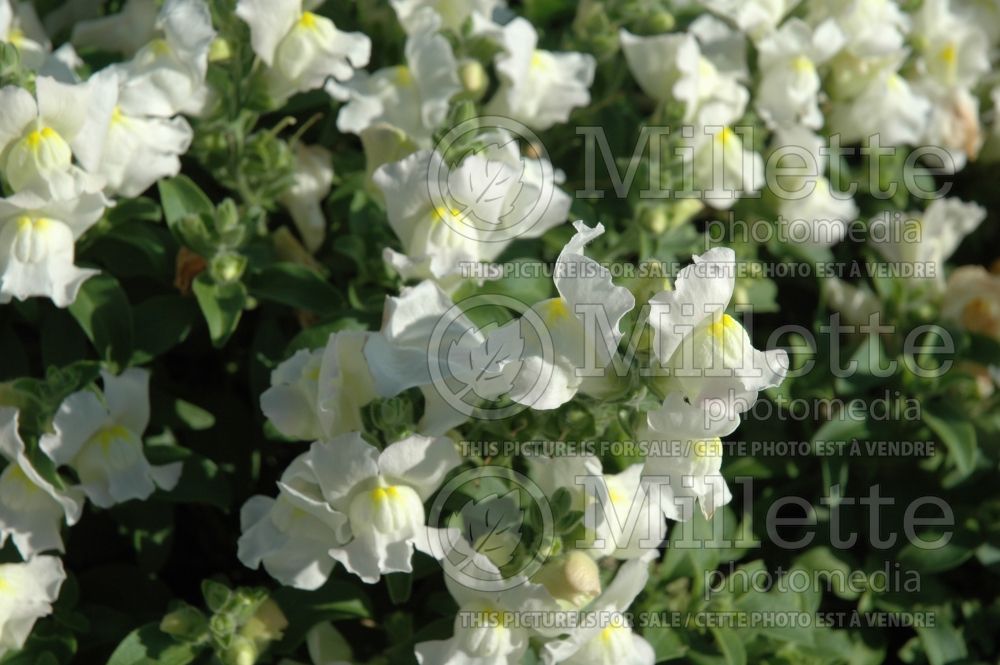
(19, 110)
(420, 462)
(701, 290)
(340, 464)
(127, 397)
(79, 417)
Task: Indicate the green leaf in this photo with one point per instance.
(161, 323)
(222, 305)
(181, 197)
(959, 549)
(296, 286)
(202, 481)
(957, 434)
(150, 646)
(103, 311)
(141, 209)
(400, 585)
(942, 642)
(731, 646)
(334, 601)
(137, 249)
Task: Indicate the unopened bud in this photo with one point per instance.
(267, 624)
(185, 622)
(573, 578)
(228, 267)
(241, 652)
(474, 79)
(659, 22)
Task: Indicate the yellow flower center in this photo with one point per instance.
(441, 213)
(159, 47)
(949, 54)
(723, 325)
(403, 76)
(539, 60)
(556, 310)
(803, 65)
(308, 20)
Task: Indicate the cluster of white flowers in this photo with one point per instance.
(343, 501)
(98, 435)
(70, 146)
(864, 72)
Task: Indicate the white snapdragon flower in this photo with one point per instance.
(986, 15)
(722, 168)
(383, 496)
(101, 440)
(318, 394)
(312, 179)
(486, 629)
(449, 219)
(925, 239)
(570, 340)
(19, 25)
(40, 135)
(888, 106)
(32, 510)
(972, 300)
(539, 88)
(757, 18)
(37, 237)
(126, 31)
(607, 638)
(872, 27)
(167, 75)
(412, 97)
(954, 126)
(707, 354)
(291, 404)
(301, 49)
(686, 457)
(423, 330)
(857, 304)
(27, 592)
(140, 147)
(952, 51)
(810, 211)
(453, 13)
(672, 67)
(789, 88)
(620, 517)
(292, 534)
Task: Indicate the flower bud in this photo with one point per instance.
(474, 79)
(267, 624)
(185, 622)
(241, 652)
(573, 578)
(228, 267)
